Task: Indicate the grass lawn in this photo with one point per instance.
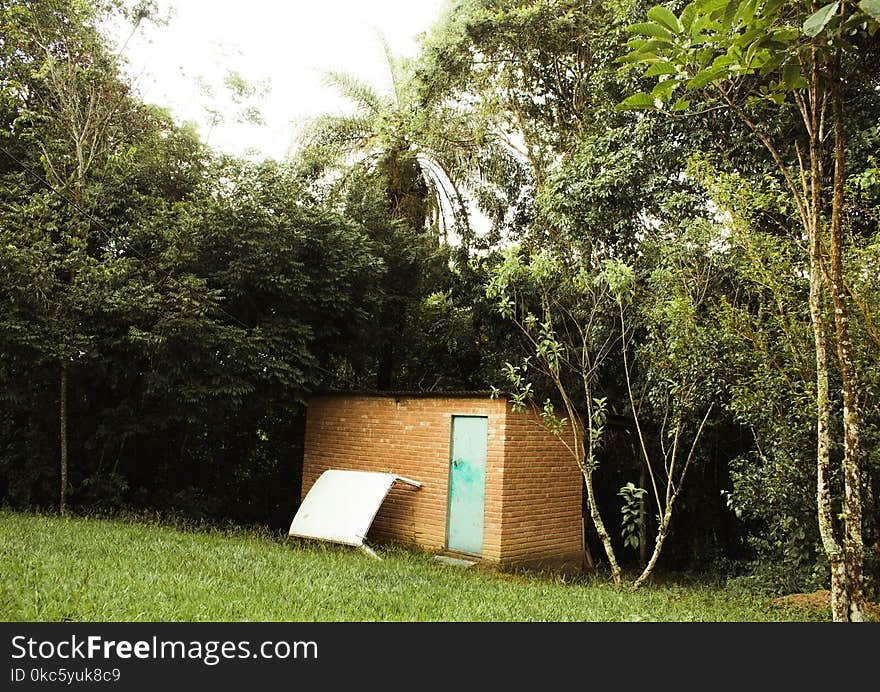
(92, 570)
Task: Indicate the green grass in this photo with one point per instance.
(95, 570)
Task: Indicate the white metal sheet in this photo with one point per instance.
(341, 505)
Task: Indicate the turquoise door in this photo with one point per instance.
(467, 483)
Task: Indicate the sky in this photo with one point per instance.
(286, 46)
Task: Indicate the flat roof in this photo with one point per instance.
(614, 420)
(408, 394)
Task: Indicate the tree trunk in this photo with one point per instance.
(589, 563)
(600, 526)
(662, 532)
(840, 558)
(586, 462)
(813, 223)
(62, 416)
(839, 598)
(852, 501)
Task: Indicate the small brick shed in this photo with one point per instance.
(532, 495)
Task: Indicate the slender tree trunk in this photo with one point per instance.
(62, 416)
(839, 605)
(672, 493)
(852, 501)
(586, 462)
(600, 527)
(662, 532)
(589, 563)
(643, 518)
(840, 558)
(813, 222)
(833, 551)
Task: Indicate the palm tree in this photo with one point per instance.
(424, 154)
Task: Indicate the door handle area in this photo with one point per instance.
(456, 463)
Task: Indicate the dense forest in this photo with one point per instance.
(659, 225)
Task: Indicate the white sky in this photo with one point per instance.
(291, 44)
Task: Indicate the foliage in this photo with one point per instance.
(710, 43)
(745, 54)
(402, 167)
(194, 299)
(764, 344)
(631, 511)
(529, 65)
(419, 154)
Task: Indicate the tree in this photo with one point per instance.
(761, 325)
(65, 97)
(748, 54)
(234, 296)
(282, 290)
(575, 320)
(528, 65)
(559, 311)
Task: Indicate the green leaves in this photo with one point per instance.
(631, 514)
(520, 390)
(827, 18)
(620, 278)
(710, 6)
(664, 90)
(791, 77)
(729, 15)
(638, 102)
(651, 29)
(552, 422)
(664, 16)
(704, 77)
(721, 41)
(817, 21)
(661, 68)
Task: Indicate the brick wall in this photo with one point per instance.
(533, 491)
(542, 524)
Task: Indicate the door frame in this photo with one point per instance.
(449, 469)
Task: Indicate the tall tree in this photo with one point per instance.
(529, 65)
(72, 106)
(748, 54)
(575, 321)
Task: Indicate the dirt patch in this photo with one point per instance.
(819, 602)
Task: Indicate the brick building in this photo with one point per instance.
(495, 484)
